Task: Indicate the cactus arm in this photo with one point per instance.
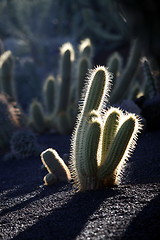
(86, 161)
(111, 124)
(37, 116)
(120, 149)
(82, 68)
(114, 65)
(85, 48)
(67, 57)
(96, 90)
(49, 94)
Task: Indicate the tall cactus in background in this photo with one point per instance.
(114, 65)
(61, 94)
(150, 82)
(102, 140)
(126, 78)
(49, 94)
(6, 73)
(37, 119)
(86, 48)
(64, 81)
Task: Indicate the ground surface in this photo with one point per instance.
(30, 210)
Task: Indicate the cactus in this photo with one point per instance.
(114, 65)
(37, 117)
(24, 144)
(62, 93)
(102, 140)
(67, 57)
(6, 74)
(150, 85)
(49, 94)
(58, 170)
(85, 48)
(126, 78)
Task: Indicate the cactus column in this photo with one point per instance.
(102, 140)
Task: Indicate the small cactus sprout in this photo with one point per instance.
(56, 167)
(24, 144)
(102, 140)
(6, 74)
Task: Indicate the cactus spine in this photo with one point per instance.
(102, 140)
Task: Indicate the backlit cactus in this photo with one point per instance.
(58, 170)
(102, 140)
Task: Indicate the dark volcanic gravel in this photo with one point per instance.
(30, 210)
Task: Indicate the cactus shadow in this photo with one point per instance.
(67, 221)
(146, 225)
(21, 198)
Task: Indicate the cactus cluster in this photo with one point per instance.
(103, 139)
(61, 94)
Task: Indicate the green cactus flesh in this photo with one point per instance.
(109, 130)
(118, 149)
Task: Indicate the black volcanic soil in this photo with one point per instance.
(30, 210)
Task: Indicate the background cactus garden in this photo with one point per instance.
(79, 120)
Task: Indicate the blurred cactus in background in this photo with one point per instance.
(61, 94)
(126, 76)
